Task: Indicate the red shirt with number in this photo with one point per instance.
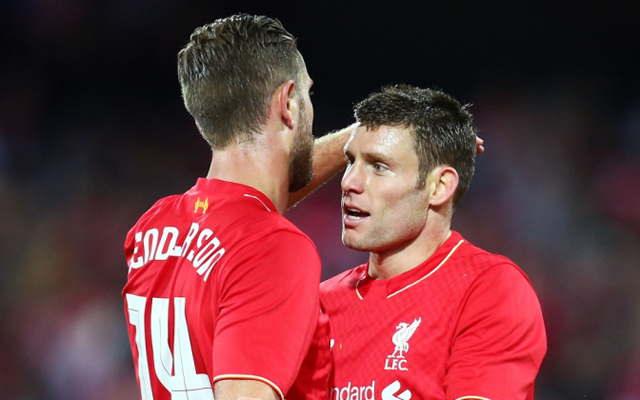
(220, 286)
(465, 324)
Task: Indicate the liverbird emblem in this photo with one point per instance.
(402, 336)
(204, 204)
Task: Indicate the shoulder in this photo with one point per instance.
(159, 206)
(246, 219)
(497, 284)
(278, 231)
(155, 210)
(344, 281)
(259, 219)
(481, 276)
(482, 263)
(270, 243)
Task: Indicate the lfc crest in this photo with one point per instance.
(396, 360)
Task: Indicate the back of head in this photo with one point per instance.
(228, 72)
(444, 133)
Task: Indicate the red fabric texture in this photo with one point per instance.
(463, 323)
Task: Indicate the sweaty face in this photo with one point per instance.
(382, 209)
(301, 170)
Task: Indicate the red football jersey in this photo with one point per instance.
(220, 286)
(464, 324)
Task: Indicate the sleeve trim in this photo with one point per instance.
(252, 378)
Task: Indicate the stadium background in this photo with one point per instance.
(92, 132)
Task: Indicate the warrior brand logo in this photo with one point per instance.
(397, 361)
(204, 204)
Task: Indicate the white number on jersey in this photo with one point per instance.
(184, 383)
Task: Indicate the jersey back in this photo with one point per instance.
(220, 286)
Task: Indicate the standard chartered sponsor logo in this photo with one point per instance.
(393, 392)
(351, 392)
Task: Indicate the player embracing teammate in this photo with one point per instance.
(222, 293)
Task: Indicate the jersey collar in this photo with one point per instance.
(206, 186)
(414, 276)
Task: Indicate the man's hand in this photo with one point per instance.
(479, 145)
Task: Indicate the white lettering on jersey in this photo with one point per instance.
(172, 250)
(150, 244)
(203, 256)
(350, 392)
(139, 262)
(396, 360)
(175, 369)
(193, 231)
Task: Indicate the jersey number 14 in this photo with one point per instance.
(184, 383)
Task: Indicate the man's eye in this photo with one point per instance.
(379, 167)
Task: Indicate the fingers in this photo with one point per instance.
(479, 145)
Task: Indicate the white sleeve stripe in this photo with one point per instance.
(473, 398)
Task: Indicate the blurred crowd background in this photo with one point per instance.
(93, 131)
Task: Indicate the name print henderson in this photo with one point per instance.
(202, 254)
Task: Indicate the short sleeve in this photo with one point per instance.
(500, 339)
(268, 310)
(312, 382)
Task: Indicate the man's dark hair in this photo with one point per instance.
(444, 133)
(228, 72)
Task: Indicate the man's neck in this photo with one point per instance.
(255, 164)
(390, 263)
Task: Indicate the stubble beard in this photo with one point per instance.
(359, 244)
(301, 166)
(381, 237)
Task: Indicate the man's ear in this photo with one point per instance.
(444, 184)
(287, 104)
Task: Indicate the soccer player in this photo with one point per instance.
(222, 290)
(430, 316)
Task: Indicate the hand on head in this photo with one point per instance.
(479, 146)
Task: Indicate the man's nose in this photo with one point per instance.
(352, 181)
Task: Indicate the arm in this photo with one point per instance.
(247, 398)
(237, 389)
(328, 160)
